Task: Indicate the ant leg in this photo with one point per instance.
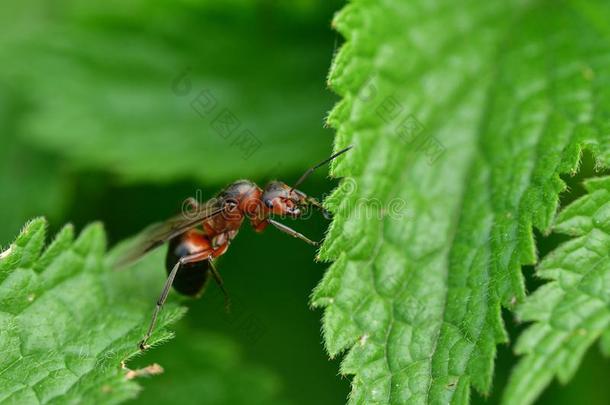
(220, 283)
(291, 232)
(168, 284)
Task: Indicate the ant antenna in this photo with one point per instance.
(311, 170)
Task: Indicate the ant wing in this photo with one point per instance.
(157, 234)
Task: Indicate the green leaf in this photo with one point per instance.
(30, 182)
(572, 310)
(70, 324)
(67, 320)
(136, 81)
(465, 115)
(605, 343)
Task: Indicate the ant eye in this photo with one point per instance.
(231, 204)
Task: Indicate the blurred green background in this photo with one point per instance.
(97, 122)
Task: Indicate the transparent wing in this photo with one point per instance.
(157, 234)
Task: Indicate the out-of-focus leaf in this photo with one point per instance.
(605, 343)
(204, 368)
(31, 182)
(143, 88)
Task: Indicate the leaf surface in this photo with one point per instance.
(463, 116)
(572, 310)
(69, 323)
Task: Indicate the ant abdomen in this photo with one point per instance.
(191, 278)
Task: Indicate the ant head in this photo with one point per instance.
(282, 199)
